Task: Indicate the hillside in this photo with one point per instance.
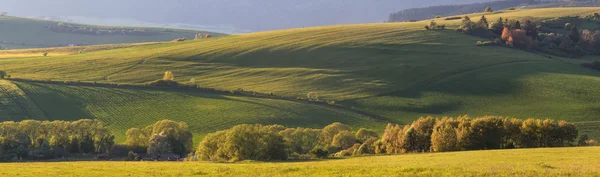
(518, 162)
(18, 33)
(457, 9)
(125, 107)
(397, 71)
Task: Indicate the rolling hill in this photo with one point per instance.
(18, 33)
(397, 71)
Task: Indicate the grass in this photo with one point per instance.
(520, 162)
(205, 112)
(18, 33)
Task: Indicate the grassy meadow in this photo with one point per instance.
(19, 33)
(519, 162)
(205, 112)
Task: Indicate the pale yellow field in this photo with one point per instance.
(520, 162)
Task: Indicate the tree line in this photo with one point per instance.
(36, 140)
(427, 134)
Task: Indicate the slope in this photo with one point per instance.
(124, 107)
(17, 33)
(15, 105)
(395, 70)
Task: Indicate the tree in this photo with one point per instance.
(244, 142)
(574, 34)
(392, 139)
(363, 134)
(517, 25)
(301, 140)
(506, 34)
(444, 138)
(329, 131)
(530, 29)
(497, 26)
(168, 76)
(344, 140)
(488, 9)
(483, 23)
(410, 141)
(3, 74)
(423, 128)
(159, 144)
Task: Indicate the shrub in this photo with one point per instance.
(368, 147)
(593, 65)
(583, 139)
(3, 74)
(512, 8)
(453, 18)
(489, 43)
(348, 152)
(163, 83)
(45, 54)
(130, 156)
(592, 143)
(437, 16)
(178, 40)
(568, 26)
(320, 153)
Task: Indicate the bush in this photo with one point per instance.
(512, 8)
(320, 153)
(178, 40)
(163, 83)
(312, 96)
(348, 152)
(489, 43)
(3, 74)
(453, 18)
(583, 139)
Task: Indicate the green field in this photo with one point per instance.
(397, 71)
(205, 112)
(521, 162)
(18, 33)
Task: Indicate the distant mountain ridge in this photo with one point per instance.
(450, 10)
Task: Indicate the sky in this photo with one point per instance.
(250, 15)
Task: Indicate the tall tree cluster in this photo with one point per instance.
(34, 140)
(463, 133)
(163, 137)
